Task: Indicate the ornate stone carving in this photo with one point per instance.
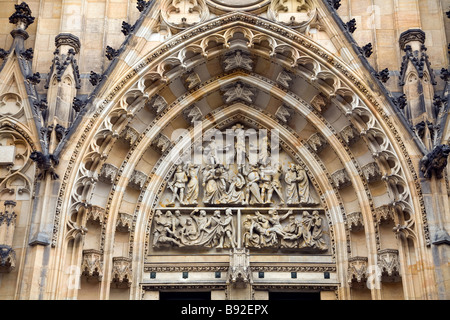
(111, 53)
(121, 272)
(195, 229)
(317, 142)
(298, 186)
(237, 59)
(7, 228)
(284, 113)
(22, 16)
(108, 173)
(435, 162)
(137, 180)
(181, 14)
(319, 102)
(130, 134)
(371, 172)
(158, 104)
(92, 265)
(385, 214)
(262, 231)
(239, 92)
(355, 221)
(192, 114)
(411, 35)
(366, 50)
(285, 79)
(357, 272)
(127, 28)
(341, 179)
(389, 265)
(293, 13)
(419, 60)
(46, 164)
(161, 143)
(349, 135)
(124, 222)
(239, 272)
(383, 75)
(96, 213)
(191, 80)
(350, 25)
(7, 258)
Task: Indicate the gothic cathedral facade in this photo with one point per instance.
(240, 149)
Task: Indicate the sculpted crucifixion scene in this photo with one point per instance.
(240, 183)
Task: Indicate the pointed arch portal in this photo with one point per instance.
(112, 215)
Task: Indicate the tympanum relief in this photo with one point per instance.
(239, 190)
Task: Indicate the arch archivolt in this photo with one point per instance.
(200, 51)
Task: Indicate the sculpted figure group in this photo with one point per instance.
(198, 229)
(267, 232)
(256, 185)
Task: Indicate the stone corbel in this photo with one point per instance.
(317, 142)
(371, 172)
(341, 179)
(158, 104)
(389, 265)
(124, 222)
(95, 213)
(357, 272)
(349, 135)
(192, 114)
(121, 272)
(319, 102)
(285, 79)
(384, 214)
(237, 60)
(130, 135)
(284, 113)
(355, 221)
(92, 265)
(137, 180)
(108, 173)
(239, 273)
(161, 143)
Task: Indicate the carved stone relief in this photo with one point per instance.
(267, 231)
(209, 193)
(294, 229)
